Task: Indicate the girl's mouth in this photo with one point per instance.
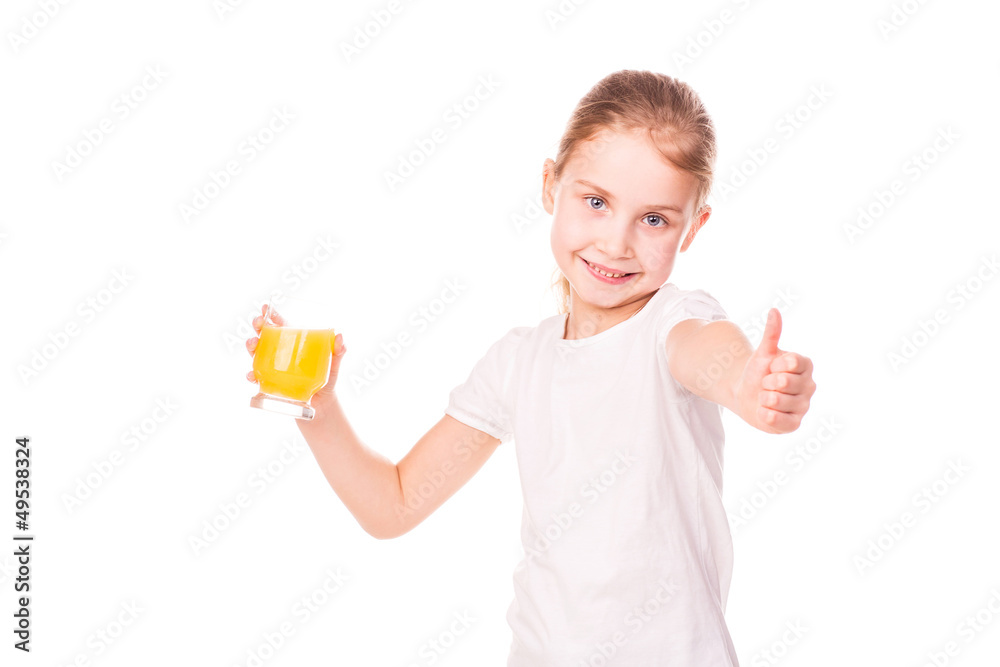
(607, 277)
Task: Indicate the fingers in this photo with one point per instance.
(778, 422)
(791, 362)
(785, 393)
(257, 323)
(786, 403)
(789, 383)
(276, 317)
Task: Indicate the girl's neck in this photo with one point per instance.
(593, 321)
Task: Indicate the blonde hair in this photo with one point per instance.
(673, 115)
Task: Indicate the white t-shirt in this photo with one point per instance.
(628, 553)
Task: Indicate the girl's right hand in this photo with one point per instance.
(326, 392)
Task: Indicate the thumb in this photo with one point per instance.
(339, 349)
(772, 330)
(337, 345)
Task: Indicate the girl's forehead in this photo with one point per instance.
(609, 148)
(629, 165)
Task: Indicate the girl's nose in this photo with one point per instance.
(613, 239)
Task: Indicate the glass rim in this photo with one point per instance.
(300, 320)
(272, 299)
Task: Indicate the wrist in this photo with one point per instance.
(323, 402)
(746, 406)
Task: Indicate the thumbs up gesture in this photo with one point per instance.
(774, 391)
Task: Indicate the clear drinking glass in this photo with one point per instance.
(293, 355)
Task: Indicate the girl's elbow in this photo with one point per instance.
(388, 530)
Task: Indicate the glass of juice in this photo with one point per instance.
(292, 359)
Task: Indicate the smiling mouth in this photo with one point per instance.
(607, 274)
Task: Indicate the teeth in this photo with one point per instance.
(610, 275)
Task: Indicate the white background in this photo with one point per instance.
(174, 331)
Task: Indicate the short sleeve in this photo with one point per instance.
(688, 304)
(485, 400)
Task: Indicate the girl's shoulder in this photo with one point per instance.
(673, 304)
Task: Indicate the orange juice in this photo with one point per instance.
(292, 363)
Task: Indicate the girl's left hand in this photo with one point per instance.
(774, 391)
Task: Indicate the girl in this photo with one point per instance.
(614, 405)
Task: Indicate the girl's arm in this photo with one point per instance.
(769, 388)
(389, 500)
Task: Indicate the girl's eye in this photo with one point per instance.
(658, 221)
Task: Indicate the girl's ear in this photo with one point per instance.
(548, 185)
(698, 223)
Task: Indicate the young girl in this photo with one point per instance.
(614, 405)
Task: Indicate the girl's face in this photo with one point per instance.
(619, 204)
